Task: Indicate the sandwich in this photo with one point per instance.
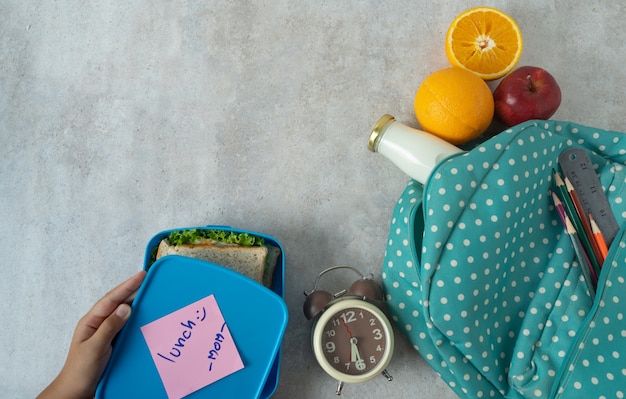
(244, 253)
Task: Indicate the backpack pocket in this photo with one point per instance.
(595, 365)
(555, 313)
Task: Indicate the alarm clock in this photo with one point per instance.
(351, 337)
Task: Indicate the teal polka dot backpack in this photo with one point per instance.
(482, 278)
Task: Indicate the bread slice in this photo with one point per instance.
(249, 261)
(270, 265)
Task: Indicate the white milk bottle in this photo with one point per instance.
(414, 151)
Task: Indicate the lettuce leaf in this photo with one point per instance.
(182, 237)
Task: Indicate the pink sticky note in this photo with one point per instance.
(192, 347)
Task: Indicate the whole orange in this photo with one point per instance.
(454, 104)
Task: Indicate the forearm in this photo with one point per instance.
(60, 387)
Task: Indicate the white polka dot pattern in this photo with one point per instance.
(480, 277)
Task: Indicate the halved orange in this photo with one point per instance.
(484, 40)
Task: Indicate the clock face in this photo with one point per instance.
(353, 340)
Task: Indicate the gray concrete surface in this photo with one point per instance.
(119, 121)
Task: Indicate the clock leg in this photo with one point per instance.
(339, 387)
(387, 375)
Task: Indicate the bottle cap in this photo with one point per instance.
(378, 130)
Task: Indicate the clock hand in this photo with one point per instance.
(347, 328)
(354, 351)
(355, 356)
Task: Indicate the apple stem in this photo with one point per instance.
(531, 85)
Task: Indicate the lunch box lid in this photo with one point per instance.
(256, 318)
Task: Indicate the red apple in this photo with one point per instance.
(526, 93)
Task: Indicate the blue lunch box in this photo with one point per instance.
(256, 317)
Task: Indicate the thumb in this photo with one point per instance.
(111, 326)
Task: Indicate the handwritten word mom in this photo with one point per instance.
(217, 345)
(185, 335)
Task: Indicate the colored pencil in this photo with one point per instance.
(584, 219)
(591, 278)
(573, 216)
(599, 238)
(559, 207)
(587, 269)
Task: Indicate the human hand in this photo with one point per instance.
(90, 348)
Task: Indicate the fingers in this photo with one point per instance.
(110, 327)
(123, 293)
(119, 294)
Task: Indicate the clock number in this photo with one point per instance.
(378, 335)
(330, 333)
(330, 347)
(372, 359)
(379, 348)
(360, 365)
(348, 317)
(372, 322)
(336, 360)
